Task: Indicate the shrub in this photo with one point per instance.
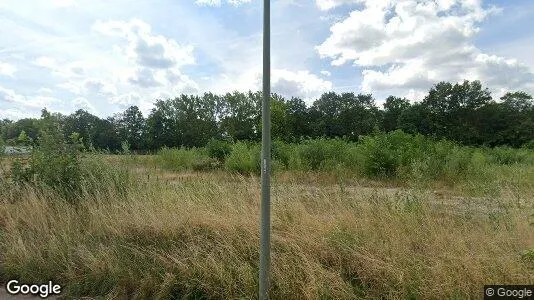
(508, 156)
(54, 163)
(315, 154)
(457, 163)
(219, 149)
(244, 159)
(529, 145)
(379, 158)
(125, 148)
(185, 159)
(281, 153)
(391, 154)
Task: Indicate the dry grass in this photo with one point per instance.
(196, 236)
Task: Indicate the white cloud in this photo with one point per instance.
(10, 97)
(329, 4)
(63, 3)
(326, 73)
(219, 2)
(72, 87)
(413, 44)
(62, 69)
(127, 99)
(46, 62)
(7, 69)
(15, 113)
(208, 2)
(156, 59)
(83, 103)
(96, 86)
(288, 83)
(44, 90)
(301, 84)
(146, 49)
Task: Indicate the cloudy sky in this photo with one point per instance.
(104, 56)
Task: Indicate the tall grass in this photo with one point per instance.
(198, 239)
(164, 235)
(185, 159)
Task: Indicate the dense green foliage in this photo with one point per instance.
(394, 155)
(463, 112)
(57, 164)
(185, 159)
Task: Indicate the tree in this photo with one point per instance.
(23, 139)
(2, 147)
(360, 116)
(327, 110)
(105, 136)
(239, 115)
(517, 112)
(83, 123)
(161, 125)
(518, 101)
(54, 163)
(298, 119)
(4, 123)
(189, 121)
(11, 130)
(345, 115)
(195, 118)
(415, 119)
(393, 108)
(453, 110)
(131, 127)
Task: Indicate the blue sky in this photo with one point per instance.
(104, 56)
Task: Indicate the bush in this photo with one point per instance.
(379, 159)
(244, 159)
(54, 163)
(320, 153)
(219, 149)
(185, 159)
(457, 163)
(529, 145)
(57, 165)
(508, 156)
(393, 154)
(281, 153)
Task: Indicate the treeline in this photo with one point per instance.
(463, 112)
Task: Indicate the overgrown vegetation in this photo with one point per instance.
(386, 215)
(393, 156)
(197, 238)
(59, 166)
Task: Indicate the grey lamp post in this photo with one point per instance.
(265, 231)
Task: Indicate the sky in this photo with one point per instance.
(104, 56)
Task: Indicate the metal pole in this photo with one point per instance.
(265, 239)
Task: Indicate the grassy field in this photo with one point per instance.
(148, 230)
